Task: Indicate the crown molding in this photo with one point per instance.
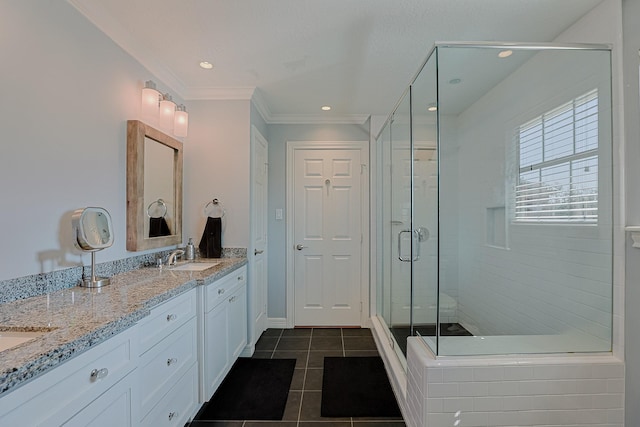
(271, 118)
(219, 93)
(310, 119)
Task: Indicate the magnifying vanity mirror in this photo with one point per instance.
(93, 230)
(154, 188)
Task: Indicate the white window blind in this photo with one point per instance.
(558, 164)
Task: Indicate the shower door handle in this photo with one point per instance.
(415, 234)
(400, 257)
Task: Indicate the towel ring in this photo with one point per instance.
(217, 209)
(157, 203)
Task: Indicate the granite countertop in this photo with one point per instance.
(76, 319)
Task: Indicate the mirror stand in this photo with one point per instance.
(93, 232)
(93, 281)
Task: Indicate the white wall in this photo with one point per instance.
(553, 278)
(216, 165)
(277, 136)
(258, 121)
(630, 19)
(67, 92)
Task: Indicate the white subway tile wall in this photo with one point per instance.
(580, 390)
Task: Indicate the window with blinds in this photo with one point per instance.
(558, 164)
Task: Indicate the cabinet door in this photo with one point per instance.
(216, 343)
(237, 323)
(113, 408)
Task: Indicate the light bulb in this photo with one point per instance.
(181, 121)
(167, 112)
(150, 106)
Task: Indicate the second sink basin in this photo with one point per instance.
(196, 266)
(9, 339)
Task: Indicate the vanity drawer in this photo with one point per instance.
(219, 290)
(166, 318)
(178, 405)
(160, 368)
(71, 386)
(112, 408)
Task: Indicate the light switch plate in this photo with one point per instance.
(279, 214)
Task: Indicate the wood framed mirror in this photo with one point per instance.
(154, 188)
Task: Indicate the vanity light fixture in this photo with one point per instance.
(167, 112)
(150, 103)
(160, 110)
(181, 121)
(326, 108)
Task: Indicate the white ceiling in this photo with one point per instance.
(356, 55)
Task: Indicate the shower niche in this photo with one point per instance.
(503, 152)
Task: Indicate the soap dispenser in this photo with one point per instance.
(190, 250)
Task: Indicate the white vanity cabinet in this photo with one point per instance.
(167, 363)
(223, 328)
(95, 388)
(155, 373)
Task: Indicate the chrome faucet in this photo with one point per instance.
(173, 255)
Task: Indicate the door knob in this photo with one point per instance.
(300, 247)
(257, 252)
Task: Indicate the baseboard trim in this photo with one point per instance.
(248, 350)
(277, 322)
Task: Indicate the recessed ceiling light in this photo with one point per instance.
(206, 65)
(455, 81)
(326, 108)
(505, 53)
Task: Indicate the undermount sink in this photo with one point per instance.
(196, 266)
(10, 339)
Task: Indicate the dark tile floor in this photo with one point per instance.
(309, 347)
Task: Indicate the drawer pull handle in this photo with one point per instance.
(171, 361)
(172, 415)
(220, 291)
(240, 277)
(232, 299)
(171, 317)
(98, 374)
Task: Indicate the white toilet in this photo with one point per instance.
(448, 309)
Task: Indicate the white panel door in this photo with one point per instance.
(257, 285)
(327, 237)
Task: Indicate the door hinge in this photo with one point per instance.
(360, 306)
(363, 167)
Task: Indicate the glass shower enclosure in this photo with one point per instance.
(495, 221)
